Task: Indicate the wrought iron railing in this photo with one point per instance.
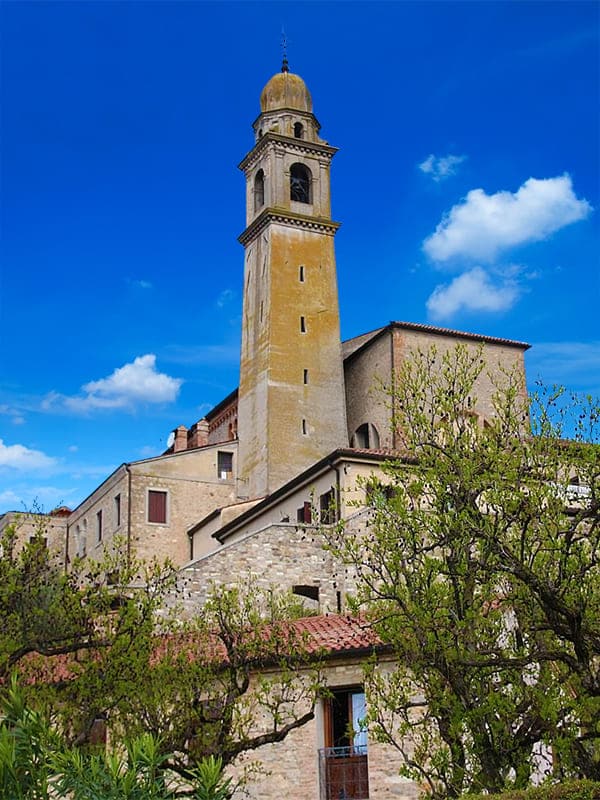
(344, 773)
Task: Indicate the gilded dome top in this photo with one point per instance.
(285, 90)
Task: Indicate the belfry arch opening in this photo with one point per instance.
(366, 436)
(298, 130)
(259, 190)
(300, 183)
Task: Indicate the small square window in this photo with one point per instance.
(225, 466)
(157, 506)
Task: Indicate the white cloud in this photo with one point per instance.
(441, 167)
(225, 298)
(9, 411)
(484, 225)
(132, 384)
(19, 457)
(472, 291)
(140, 283)
(36, 498)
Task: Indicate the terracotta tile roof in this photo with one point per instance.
(330, 635)
(418, 326)
(338, 634)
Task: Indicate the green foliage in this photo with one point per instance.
(37, 763)
(572, 790)
(27, 744)
(210, 782)
(107, 640)
(481, 567)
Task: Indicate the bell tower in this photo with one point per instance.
(291, 408)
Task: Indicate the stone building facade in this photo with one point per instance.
(149, 505)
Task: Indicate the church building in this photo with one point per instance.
(245, 489)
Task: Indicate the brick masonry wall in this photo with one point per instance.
(290, 769)
(280, 555)
(53, 529)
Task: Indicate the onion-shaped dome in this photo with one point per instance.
(285, 90)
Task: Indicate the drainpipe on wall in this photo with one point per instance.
(128, 515)
(67, 548)
(393, 387)
(338, 498)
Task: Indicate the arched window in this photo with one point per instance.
(259, 190)
(366, 436)
(299, 130)
(300, 183)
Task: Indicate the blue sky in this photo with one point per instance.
(467, 184)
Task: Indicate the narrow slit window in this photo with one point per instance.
(259, 190)
(304, 427)
(302, 324)
(305, 376)
(301, 273)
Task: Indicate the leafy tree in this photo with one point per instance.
(108, 642)
(36, 763)
(480, 566)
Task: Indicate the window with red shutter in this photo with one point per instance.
(157, 506)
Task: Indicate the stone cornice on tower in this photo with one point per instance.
(286, 110)
(291, 145)
(291, 220)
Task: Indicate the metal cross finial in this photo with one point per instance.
(284, 65)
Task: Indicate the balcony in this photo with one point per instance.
(344, 773)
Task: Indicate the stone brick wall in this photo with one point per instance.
(365, 401)
(290, 769)
(52, 529)
(193, 488)
(282, 555)
(366, 371)
(82, 533)
(500, 359)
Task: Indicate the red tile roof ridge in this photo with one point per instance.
(421, 326)
(326, 635)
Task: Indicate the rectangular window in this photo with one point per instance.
(99, 526)
(225, 466)
(117, 510)
(304, 513)
(343, 761)
(157, 506)
(327, 507)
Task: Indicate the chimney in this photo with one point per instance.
(181, 439)
(198, 434)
